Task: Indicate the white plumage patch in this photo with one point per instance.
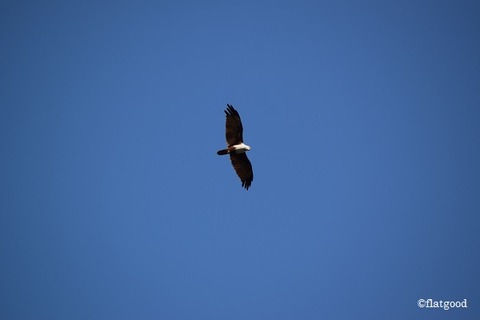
(241, 147)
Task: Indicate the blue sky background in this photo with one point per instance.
(363, 117)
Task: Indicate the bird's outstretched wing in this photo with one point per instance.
(243, 168)
(233, 126)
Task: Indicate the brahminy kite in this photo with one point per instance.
(236, 148)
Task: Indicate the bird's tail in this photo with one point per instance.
(222, 152)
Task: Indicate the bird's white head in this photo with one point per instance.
(241, 147)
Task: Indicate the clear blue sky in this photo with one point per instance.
(364, 122)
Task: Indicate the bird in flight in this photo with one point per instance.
(236, 148)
